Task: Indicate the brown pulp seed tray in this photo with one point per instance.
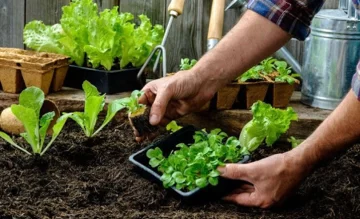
(22, 68)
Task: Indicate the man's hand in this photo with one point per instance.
(175, 96)
(271, 180)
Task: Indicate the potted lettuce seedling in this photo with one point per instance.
(138, 114)
(283, 84)
(106, 48)
(248, 88)
(35, 125)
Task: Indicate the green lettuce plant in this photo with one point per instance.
(294, 142)
(285, 74)
(267, 125)
(94, 104)
(186, 64)
(195, 165)
(173, 127)
(104, 38)
(36, 127)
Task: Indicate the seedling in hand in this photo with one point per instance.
(138, 113)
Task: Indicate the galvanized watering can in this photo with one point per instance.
(330, 56)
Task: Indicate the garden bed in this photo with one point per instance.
(80, 178)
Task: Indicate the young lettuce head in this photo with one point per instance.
(36, 127)
(94, 104)
(267, 124)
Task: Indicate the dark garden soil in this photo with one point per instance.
(80, 178)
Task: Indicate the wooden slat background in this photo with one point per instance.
(186, 39)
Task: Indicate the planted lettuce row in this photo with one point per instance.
(195, 165)
(36, 126)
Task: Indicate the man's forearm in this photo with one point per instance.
(339, 131)
(253, 39)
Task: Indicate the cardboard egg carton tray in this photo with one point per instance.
(22, 68)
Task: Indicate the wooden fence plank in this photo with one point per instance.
(47, 11)
(154, 9)
(11, 23)
(104, 4)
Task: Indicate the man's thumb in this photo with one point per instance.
(235, 171)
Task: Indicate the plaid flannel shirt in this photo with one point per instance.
(294, 16)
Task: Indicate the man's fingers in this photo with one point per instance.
(159, 106)
(236, 172)
(245, 199)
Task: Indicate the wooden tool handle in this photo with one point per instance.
(216, 19)
(177, 5)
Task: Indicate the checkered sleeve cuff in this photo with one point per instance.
(293, 16)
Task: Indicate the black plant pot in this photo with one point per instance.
(168, 144)
(108, 82)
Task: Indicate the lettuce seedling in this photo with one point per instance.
(138, 113)
(195, 165)
(267, 124)
(285, 74)
(94, 104)
(186, 64)
(255, 73)
(268, 65)
(294, 142)
(36, 127)
(173, 127)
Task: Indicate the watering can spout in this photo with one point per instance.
(283, 53)
(236, 4)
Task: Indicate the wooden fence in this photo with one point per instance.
(188, 36)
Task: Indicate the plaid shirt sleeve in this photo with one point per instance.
(293, 16)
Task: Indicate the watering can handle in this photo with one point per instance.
(176, 7)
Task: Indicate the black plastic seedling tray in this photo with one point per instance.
(168, 144)
(108, 82)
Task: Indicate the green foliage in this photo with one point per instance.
(43, 37)
(103, 37)
(294, 142)
(132, 103)
(186, 64)
(195, 165)
(285, 73)
(267, 124)
(94, 104)
(173, 127)
(268, 65)
(270, 68)
(253, 73)
(36, 127)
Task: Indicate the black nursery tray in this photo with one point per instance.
(108, 82)
(168, 144)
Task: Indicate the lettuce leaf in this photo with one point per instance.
(41, 37)
(94, 104)
(28, 113)
(267, 124)
(142, 41)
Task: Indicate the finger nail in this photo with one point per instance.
(154, 119)
(222, 170)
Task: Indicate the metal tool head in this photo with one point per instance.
(236, 4)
